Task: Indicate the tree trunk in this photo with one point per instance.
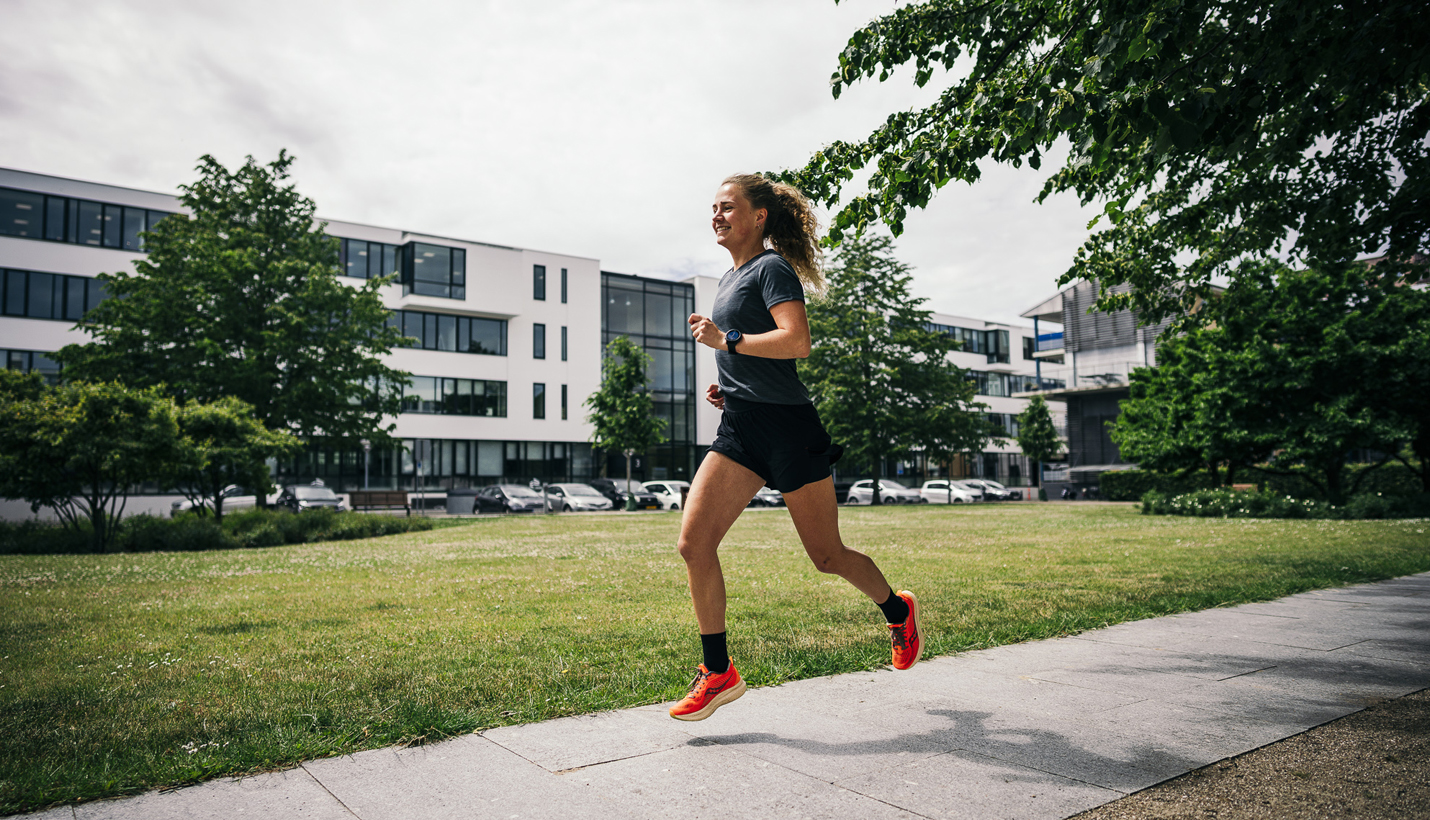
(878, 475)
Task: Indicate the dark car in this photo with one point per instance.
(509, 498)
(303, 497)
(616, 490)
(841, 491)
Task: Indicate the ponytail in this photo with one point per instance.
(791, 227)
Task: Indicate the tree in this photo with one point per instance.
(80, 449)
(241, 297)
(1222, 131)
(229, 446)
(878, 374)
(1037, 437)
(622, 409)
(1300, 369)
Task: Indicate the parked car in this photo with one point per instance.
(841, 491)
(668, 493)
(616, 489)
(575, 498)
(234, 498)
(508, 498)
(943, 491)
(993, 491)
(975, 490)
(890, 492)
(304, 497)
(769, 497)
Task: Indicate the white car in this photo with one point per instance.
(668, 493)
(575, 498)
(234, 498)
(943, 491)
(890, 492)
(769, 497)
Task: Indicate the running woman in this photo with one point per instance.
(769, 431)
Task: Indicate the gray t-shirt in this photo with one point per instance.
(742, 302)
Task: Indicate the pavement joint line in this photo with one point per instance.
(324, 787)
(1244, 674)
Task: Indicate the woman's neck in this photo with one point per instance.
(742, 255)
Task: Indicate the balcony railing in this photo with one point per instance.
(1050, 341)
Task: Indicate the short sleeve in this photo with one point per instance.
(779, 283)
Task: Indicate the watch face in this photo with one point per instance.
(732, 335)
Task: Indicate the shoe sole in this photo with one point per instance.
(914, 613)
(727, 696)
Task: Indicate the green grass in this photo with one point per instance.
(126, 672)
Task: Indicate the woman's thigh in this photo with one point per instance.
(718, 495)
(816, 518)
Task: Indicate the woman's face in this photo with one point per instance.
(734, 221)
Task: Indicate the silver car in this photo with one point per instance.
(890, 492)
(943, 491)
(234, 498)
(575, 498)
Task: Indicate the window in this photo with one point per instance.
(31, 361)
(538, 341)
(455, 397)
(1030, 346)
(458, 334)
(563, 343)
(563, 288)
(538, 282)
(992, 343)
(79, 222)
(433, 270)
(538, 401)
(35, 295)
(366, 260)
(563, 402)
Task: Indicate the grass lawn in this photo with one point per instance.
(121, 673)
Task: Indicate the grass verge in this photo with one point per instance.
(120, 673)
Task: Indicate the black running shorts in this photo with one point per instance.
(785, 444)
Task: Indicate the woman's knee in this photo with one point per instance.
(830, 561)
(695, 550)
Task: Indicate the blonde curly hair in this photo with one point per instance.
(791, 227)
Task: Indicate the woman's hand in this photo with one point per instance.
(704, 331)
(715, 397)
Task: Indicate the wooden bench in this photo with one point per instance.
(1244, 488)
(379, 500)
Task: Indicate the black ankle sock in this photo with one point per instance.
(896, 609)
(717, 657)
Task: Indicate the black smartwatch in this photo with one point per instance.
(732, 338)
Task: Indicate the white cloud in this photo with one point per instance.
(594, 128)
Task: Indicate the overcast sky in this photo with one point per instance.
(598, 128)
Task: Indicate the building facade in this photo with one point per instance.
(1090, 355)
(508, 344)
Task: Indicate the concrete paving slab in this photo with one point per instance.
(293, 793)
(999, 691)
(1037, 741)
(962, 784)
(467, 777)
(817, 742)
(713, 781)
(569, 743)
(1197, 734)
(1405, 651)
(60, 813)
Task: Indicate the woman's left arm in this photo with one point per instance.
(789, 340)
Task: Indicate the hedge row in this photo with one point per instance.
(1394, 479)
(249, 528)
(1226, 503)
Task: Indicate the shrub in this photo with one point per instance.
(1225, 503)
(189, 532)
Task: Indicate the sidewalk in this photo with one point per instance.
(1037, 730)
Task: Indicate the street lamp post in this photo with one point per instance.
(366, 455)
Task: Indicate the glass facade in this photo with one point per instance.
(654, 315)
(455, 397)
(446, 464)
(457, 334)
(992, 343)
(34, 295)
(1006, 384)
(75, 221)
(433, 270)
(32, 361)
(366, 260)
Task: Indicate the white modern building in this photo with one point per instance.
(510, 342)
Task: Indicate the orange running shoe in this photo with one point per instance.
(708, 692)
(908, 643)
